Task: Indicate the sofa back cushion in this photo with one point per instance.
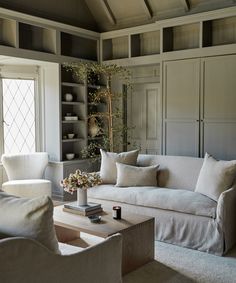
(175, 172)
(108, 171)
(216, 176)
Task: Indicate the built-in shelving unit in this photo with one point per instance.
(115, 48)
(8, 32)
(181, 37)
(147, 43)
(74, 109)
(160, 41)
(77, 46)
(37, 38)
(219, 32)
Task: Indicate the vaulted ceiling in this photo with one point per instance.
(105, 15)
(115, 14)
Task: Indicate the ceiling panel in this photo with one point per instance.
(117, 14)
(125, 9)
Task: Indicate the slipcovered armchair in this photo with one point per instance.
(25, 175)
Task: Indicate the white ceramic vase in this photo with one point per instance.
(68, 97)
(82, 197)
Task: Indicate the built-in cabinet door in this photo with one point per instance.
(181, 107)
(144, 115)
(219, 106)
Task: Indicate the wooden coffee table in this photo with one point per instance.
(137, 231)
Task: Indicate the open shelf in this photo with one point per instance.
(8, 32)
(115, 48)
(37, 38)
(79, 47)
(72, 122)
(219, 32)
(147, 43)
(75, 148)
(77, 91)
(181, 37)
(72, 140)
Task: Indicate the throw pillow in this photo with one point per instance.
(30, 218)
(108, 163)
(132, 176)
(215, 177)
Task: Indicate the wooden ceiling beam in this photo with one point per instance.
(147, 8)
(186, 4)
(108, 11)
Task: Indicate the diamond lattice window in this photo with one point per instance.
(18, 115)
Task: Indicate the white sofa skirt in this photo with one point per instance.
(187, 230)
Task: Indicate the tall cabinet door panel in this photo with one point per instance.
(218, 109)
(181, 111)
(144, 115)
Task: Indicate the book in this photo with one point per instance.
(83, 213)
(74, 205)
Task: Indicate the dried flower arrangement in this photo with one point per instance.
(80, 180)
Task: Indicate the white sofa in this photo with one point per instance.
(182, 216)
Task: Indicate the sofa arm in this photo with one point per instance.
(26, 261)
(226, 216)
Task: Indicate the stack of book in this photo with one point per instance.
(85, 210)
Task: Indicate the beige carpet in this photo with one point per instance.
(175, 264)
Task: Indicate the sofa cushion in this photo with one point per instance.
(108, 170)
(168, 199)
(132, 176)
(175, 172)
(30, 218)
(215, 177)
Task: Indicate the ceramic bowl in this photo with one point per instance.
(70, 156)
(70, 136)
(95, 218)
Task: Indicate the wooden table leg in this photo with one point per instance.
(66, 235)
(138, 246)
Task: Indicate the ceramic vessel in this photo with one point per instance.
(68, 97)
(70, 156)
(93, 128)
(82, 197)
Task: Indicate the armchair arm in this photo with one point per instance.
(26, 261)
(226, 216)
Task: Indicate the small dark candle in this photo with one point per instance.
(116, 212)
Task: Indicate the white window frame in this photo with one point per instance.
(24, 72)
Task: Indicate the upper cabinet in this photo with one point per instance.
(219, 31)
(49, 41)
(37, 38)
(8, 32)
(181, 37)
(165, 39)
(78, 46)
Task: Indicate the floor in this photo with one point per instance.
(175, 264)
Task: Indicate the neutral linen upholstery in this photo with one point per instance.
(216, 176)
(30, 218)
(171, 199)
(128, 175)
(25, 174)
(187, 230)
(108, 170)
(27, 261)
(175, 172)
(182, 216)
